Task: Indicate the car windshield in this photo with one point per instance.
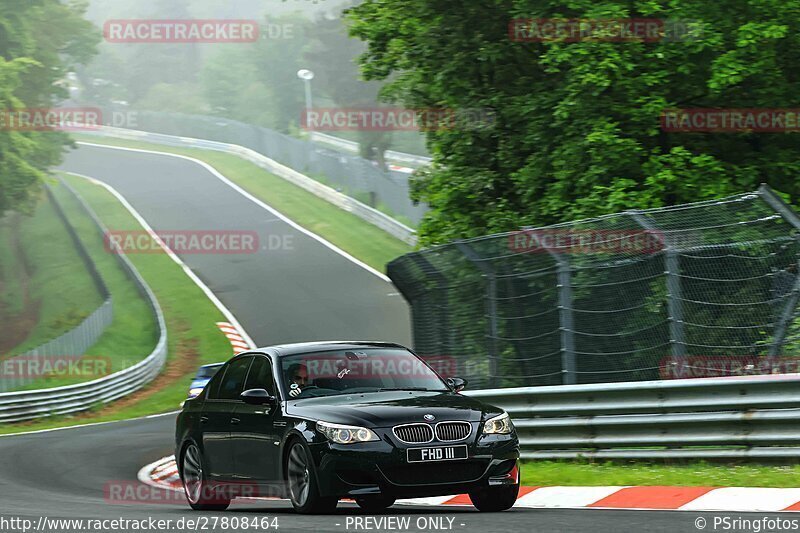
(357, 370)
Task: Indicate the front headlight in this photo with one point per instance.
(499, 425)
(195, 392)
(346, 434)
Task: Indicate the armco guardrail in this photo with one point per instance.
(342, 201)
(76, 341)
(716, 418)
(25, 405)
(353, 148)
(348, 173)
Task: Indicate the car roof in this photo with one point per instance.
(283, 350)
(212, 365)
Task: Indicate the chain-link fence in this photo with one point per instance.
(72, 344)
(695, 290)
(350, 174)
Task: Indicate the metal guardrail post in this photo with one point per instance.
(788, 214)
(567, 321)
(787, 314)
(491, 307)
(675, 302)
(672, 268)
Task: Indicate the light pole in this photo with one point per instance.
(307, 75)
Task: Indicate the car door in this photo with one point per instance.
(256, 443)
(215, 420)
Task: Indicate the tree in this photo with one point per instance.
(40, 41)
(577, 129)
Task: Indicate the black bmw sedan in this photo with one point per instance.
(318, 422)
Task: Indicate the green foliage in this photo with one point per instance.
(578, 123)
(40, 41)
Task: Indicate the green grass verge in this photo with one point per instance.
(133, 333)
(582, 473)
(61, 291)
(362, 240)
(193, 337)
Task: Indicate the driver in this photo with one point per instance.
(298, 379)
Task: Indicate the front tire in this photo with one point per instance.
(494, 499)
(301, 478)
(199, 492)
(374, 504)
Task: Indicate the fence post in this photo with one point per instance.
(491, 308)
(782, 326)
(675, 302)
(567, 321)
(672, 269)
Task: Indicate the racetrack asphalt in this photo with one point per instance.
(306, 293)
(294, 290)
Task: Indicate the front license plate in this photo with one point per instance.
(440, 453)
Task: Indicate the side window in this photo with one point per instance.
(260, 376)
(232, 382)
(212, 389)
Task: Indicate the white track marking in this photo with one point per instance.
(148, 417)
(253, 199)
(188, 271)
(553, 497)
(434, 500)
(234, 337)
(144, 474)
(754, 499)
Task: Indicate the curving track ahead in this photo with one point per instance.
(303, 293)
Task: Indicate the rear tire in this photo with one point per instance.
(301, 479)
(201, 495)
(494, 499)
(375, 503)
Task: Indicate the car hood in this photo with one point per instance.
(385, 409)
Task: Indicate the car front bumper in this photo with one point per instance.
(381, 467)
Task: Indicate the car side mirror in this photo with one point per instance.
(256, 397)
(457, 384)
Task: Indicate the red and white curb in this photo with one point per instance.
(237, 340)
(164, 474)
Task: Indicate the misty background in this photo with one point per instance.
(255, 83)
